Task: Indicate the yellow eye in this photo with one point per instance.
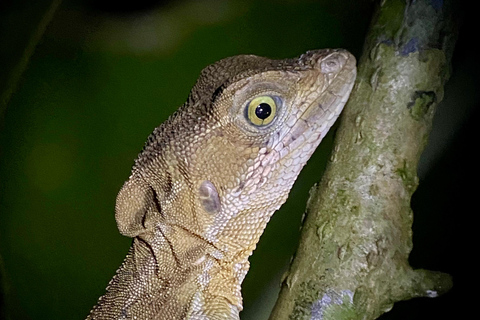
(261, 110)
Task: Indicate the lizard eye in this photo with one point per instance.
(261, 110)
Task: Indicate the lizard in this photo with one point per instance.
(210, 177)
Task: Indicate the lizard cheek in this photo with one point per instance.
(208, 196)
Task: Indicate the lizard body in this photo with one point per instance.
(208, 180)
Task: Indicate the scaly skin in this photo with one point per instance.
(208, 180)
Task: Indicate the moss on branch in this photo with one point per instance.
(352, 261)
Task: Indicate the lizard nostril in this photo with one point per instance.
(333, 63)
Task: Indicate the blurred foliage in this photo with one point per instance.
(98, 83)
(18, 38)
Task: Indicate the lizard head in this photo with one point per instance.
(218, 168)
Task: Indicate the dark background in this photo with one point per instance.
(103, 76)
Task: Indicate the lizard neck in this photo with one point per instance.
(202, 283)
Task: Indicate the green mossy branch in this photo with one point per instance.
(352, 261)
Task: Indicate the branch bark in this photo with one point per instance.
(352, 261)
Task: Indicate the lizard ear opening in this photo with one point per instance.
(132, 206)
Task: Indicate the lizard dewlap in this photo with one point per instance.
(208, 180)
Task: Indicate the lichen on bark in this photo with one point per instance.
(352, 261)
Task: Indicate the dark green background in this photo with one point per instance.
(104, 76)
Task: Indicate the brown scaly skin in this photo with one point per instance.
(209, 179)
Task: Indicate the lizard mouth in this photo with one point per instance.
(311, 124)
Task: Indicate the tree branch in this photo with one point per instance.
(352, 261)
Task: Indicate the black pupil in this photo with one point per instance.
(263, 111)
